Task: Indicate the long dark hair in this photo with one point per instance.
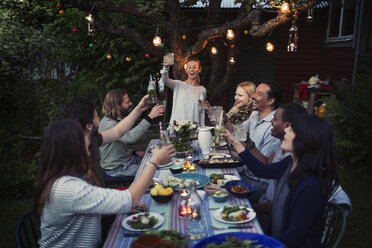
(314, 150)
(63, 152)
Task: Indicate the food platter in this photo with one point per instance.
(220, 163)
(251, 214)
(125, 224)
(222, 181)
(202, 179)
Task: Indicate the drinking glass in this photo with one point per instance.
(169, 59)
(240, 132)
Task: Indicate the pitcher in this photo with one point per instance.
(205, 140)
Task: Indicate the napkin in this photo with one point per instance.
(201, 193)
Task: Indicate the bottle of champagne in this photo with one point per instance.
(151, 89)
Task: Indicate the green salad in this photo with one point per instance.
(232, 241)
(177, 240)
(182, 146)
(142, 221)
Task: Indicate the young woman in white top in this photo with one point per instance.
(67, 199)
(186, 93)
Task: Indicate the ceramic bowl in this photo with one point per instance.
(211, 188)
(162, 198)
(246, 188)
(220, 196)
(175, 169)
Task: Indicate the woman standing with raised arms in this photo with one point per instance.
(186, 93)
(67, 198)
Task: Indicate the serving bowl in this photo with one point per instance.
(220, 196)
(240, 188)
(211, 188)
(175, 169)
(162, 198)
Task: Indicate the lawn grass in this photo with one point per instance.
(358, 223)
(11, 212)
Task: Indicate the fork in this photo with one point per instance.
(231, 227)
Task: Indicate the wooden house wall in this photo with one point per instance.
(313, 56)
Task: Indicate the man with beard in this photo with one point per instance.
(116, 158)
(83, 110)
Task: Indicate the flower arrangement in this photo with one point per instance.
(182, 129)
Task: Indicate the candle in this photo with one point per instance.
(184, 193)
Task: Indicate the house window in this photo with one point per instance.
(341, 21)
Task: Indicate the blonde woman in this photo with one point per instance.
(242, 108)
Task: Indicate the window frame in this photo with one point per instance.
(340, 37)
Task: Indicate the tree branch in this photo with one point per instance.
(281, 19)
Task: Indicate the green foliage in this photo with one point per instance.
(351, 119)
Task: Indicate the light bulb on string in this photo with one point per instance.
(245, 32)
(292, 38)
(229, 33)
(310, 15)
(157, 40)
(184, 37)
(269, 46)
(232, 60)
(90, 21)
(284, 8)
(128, 59)
(214, 50)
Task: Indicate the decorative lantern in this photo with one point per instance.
(292, 38)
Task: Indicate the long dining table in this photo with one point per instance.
(117, 236)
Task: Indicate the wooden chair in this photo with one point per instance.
(334, 226)
(28, 231)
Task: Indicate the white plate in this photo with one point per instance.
(166, 165)
(156, 215)
(251, 215)
(227, 177)
(221, 155)
(220, 144)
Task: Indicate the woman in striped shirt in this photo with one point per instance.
(67, 199)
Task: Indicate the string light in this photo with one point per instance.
(284, 8)
(128, 59)
(184, 37)
(147, 55)
(229, 33)
(61, 12)
(245, 32)
(90, 20)
(109, 56)
(292, 38)
(310, 15)
(269, 46)
(232, 60)
(157, 40)
(214, 50)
